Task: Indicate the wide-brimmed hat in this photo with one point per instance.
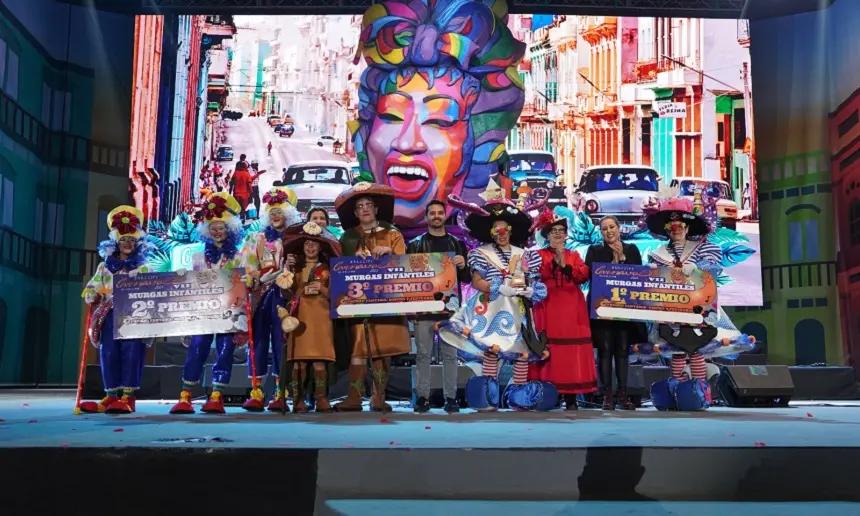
(382, 196)
(480, 224)
(296, 235)
(125, 221)
(677, 209)
(546, 220)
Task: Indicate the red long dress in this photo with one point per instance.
(564, 316)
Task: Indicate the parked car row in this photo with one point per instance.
(622, 191)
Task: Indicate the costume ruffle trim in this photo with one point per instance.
(504, 355)
(728, 349)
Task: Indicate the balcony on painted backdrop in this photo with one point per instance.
(57, 147)
(219, 26)
(646, 71)
(593, 28)
(799, 275)
(45, 261)
(602, 104)
(678, 72)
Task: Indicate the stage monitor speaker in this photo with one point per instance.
(755, 385)
(239, 388)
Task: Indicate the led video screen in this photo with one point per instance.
(604, 115)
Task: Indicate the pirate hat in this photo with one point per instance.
(677, 209)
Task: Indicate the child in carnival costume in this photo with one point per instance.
(491, 324)
(221, 232)
(687, 250)
(125, 252)
(267, 261)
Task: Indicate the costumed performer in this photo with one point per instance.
(563, 315)
(121, 360)
(311, 342)
(266, 262)
(613, 338)
(221, 232)
(490, 325)
(366, 211)
(677, 221)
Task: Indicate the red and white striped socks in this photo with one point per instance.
(521, 373)
(490, 365)
(698, 367)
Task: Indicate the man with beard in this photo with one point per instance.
(436, 240)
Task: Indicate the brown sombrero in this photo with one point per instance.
(382, 196)
(296, 235)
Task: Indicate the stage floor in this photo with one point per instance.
(45, 419)
(366, 463)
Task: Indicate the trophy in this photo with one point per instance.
(518, 281)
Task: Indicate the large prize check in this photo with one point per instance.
(165, 304)
(662, 295)
(405, 284)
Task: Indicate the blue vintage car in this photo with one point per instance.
(224, 153)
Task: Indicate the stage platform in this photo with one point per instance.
(367, 463)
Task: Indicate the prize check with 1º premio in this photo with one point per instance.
(663, 295)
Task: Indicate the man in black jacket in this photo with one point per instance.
(436, 240)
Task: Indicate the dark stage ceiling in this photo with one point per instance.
(752, 9)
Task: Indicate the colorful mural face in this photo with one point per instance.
(437, 100)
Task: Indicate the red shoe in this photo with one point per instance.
(93, 407)
(131, 401)
(254, 403)
(119, 406)
(278, 403)
(184, 406)
(215, 405)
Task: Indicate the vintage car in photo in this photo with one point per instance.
(727, 208)
(224, 153)
(617, 190)
(317, 184)
(530, 169)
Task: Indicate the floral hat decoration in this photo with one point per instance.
(125, 221)
(278, 197)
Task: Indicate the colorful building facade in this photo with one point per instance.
(63, 155)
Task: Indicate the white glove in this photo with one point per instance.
(528, 293)
(688, 269)
(181, 271)
(90, 298)
(133, 273)
(271, 276)
(507, 291)
(653, 265)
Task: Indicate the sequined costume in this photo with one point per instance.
(227, 256)
(121, 360)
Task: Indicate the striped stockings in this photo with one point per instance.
(698, 367)
(521, 372)
(490, 365)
